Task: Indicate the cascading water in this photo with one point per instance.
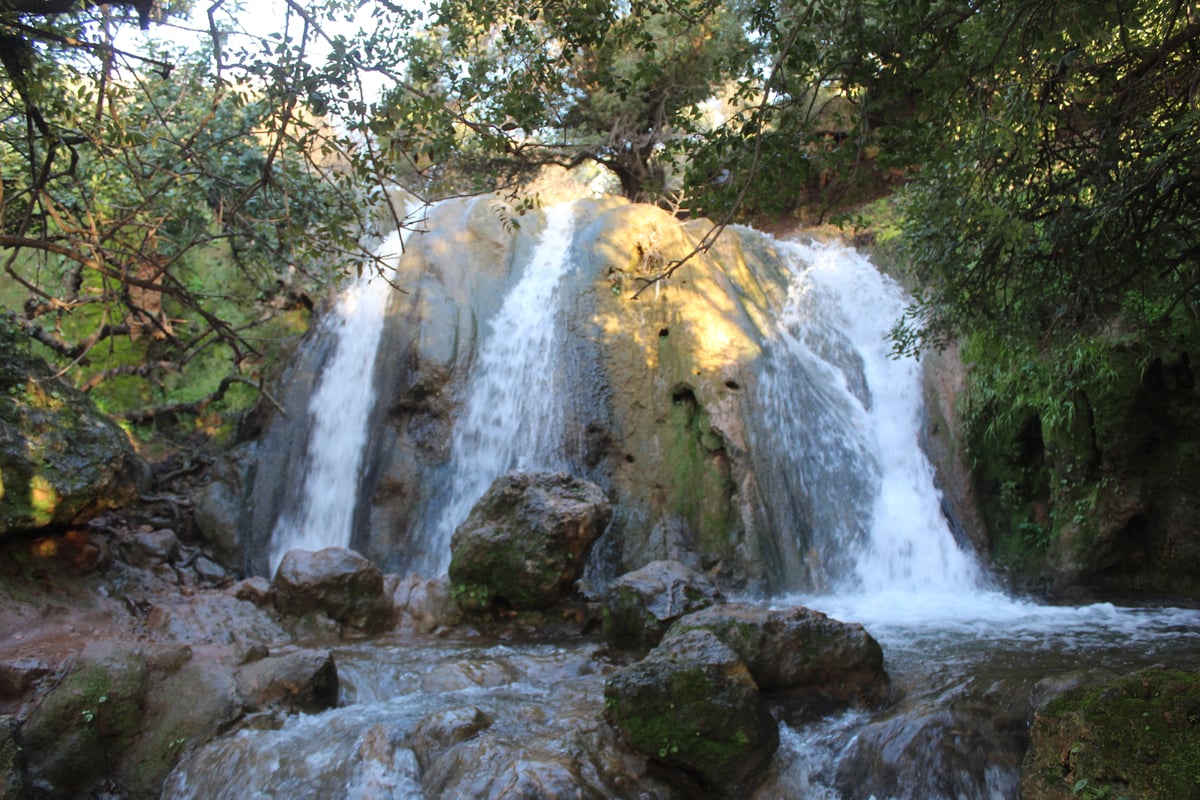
(339, 411)
(512, 414)
(839, 310)
(845, 484)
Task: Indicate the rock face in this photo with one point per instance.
(336, 582)
(526, 540)
(640, 605)
(1135, 736)
(61, 461)
(692, 704)
(1099, 502)
(659, 390)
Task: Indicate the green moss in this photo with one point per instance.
(1137, 737)
(473, 597)
(700, 486)
(690, 730)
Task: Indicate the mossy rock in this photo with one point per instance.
(61, 460)
(692, 705)
(84, 726)
(821, 662)
(526, 541)
(1136, 737)
(641, 605)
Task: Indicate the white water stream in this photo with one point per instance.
(339, 410)
(512, 415)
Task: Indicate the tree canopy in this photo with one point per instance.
(1049, 151)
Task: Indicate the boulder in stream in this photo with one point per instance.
(641, 605)
(811, 661)
(525, 542)
(302, 680)
(693, 704)
(336, 582)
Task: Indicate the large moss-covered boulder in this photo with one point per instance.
(61, 461)
(692, 704)
(83, 726)
(525, 542)
(336, 582)
(641, 605)
(1136, 737)
(817, 661)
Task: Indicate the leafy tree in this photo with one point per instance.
(1058, 147)
(503, 89)
(157, 212)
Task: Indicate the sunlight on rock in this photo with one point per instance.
(43, 498)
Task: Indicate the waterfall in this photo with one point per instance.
(339, 411)
(512, 412)
(842, 457)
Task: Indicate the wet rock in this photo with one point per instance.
(212, 618)
(336, 582)
(640, 606)
(529, 751)
(424, 604)
(305, 681)
(13, 783)
(256, 590)
(1137, 736)
(818, 663)
(209, 571)
(219, 509)
(146, 548)
(188, 702)
(524, 544)
(443, 729)
(19, 676)
(62, 461)
(88, 721)
(929, 750)
(693, 704)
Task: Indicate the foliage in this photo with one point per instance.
(1060, 179)
(497, 90)
(163, 217)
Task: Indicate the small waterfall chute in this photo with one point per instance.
(512, 412)
(339, 412)
(839, 435)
